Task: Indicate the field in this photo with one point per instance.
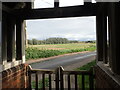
(48, 50)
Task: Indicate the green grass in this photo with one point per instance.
(43, 51)
(85, 67)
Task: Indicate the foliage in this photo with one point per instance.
(51, 41)
(43, 51)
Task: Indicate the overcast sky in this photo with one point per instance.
(79, 28)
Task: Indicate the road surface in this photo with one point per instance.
(65, 61)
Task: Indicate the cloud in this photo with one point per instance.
(79, 28)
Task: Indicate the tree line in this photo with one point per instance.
(51, 41)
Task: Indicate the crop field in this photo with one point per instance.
(48, 50)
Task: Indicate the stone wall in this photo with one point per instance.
(15, 77)
(105, 80)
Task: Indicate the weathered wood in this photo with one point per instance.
(69, 88)
(29, 79)
(76, 82)
(50, 85)
(4, 37)
(59, 82)
(43, 81)
(114, 46)
(61, 79)
(61, 12)
(91, 80)
(18, 39)
(36, 81)
(83, 82)
(11, 40)
(101, 32)
(56, 3)
(77, 72)
(57, 79)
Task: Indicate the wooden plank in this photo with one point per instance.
(50, 84)
(104, 29)
(43, 81)
(4, 37)
(101, 32)
(36, 81)
(61, 79)
(11, 39)
(76, 82)
(69, 88)
(91, 79)
(114, 25)
(57, 79)
(83, 82)
(77, 72)
(61, 12)
(29, 74)
(18, 39)
(56, 3)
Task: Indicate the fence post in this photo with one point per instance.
(29, 77)
(57, 78)
(61, 78)
(91, 79)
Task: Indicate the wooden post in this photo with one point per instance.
(18, 39)
(61, 79)
(104, 27)
(57, 79)
(11, 39)
(101, 32)
(1, 34)
(56, 3)
(4, 37)
(91, 79)
(114, 42)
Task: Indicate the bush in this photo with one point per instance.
(35, 53)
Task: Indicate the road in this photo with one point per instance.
(66, 61)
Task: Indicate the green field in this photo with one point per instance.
(48, 50)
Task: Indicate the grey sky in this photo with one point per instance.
(79, 28)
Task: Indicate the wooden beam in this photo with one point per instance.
(101, 32)
(114, 34)
(4, 37)
(56, 3)
(11, 40)
(18, 39)
(61, 12)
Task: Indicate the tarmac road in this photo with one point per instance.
(65, 61)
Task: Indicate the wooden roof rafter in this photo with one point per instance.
(59, 12)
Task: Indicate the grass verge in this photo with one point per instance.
(85, 67)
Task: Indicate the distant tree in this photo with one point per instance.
(73, 41)
(35, 41)
(51, 41)
(90, 41)
(30, 42)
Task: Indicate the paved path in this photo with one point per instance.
(68, 62)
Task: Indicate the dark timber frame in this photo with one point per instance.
(107, 52)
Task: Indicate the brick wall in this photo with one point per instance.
(15, 77)
(104, 80)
